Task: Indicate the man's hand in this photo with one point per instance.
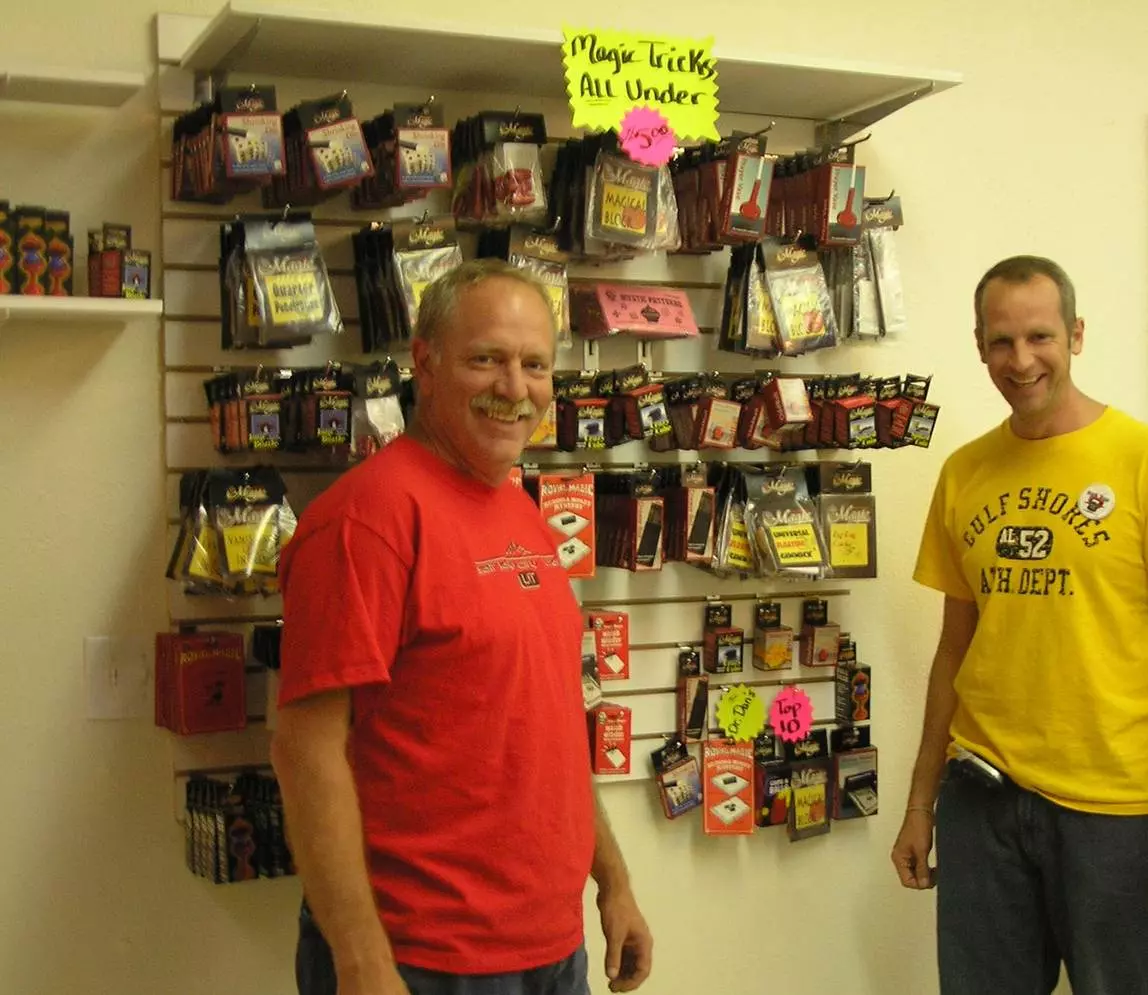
(911, 851)
(629, 945)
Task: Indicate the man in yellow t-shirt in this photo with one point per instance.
(1034, 752)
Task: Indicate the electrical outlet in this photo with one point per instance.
(117, 678)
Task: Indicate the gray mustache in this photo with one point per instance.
(496, 406)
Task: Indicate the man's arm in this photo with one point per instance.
(915, 841)
(629, 945)
(309, 753)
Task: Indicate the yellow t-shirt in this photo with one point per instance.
(1049, 538)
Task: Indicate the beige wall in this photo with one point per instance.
(1042, 149)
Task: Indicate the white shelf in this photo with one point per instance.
(104, 310)
(77, 87)
(252, 38)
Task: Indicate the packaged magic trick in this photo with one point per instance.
(234, 525)
(692, 697)
(855, 782)
(733, 548)
(376, 411)
(749, 325)
(848, 513)
(599, 310)
(678, 778)
(722, 641)
(325, 152)
(902, 412)
(424, 251)
(235, 830)
(772, 641)
(498, 168)
(775, 415)
(610, 739)
(882, 219)
(853, 686)
(411, 153)
(745, 195)
(631, 518)
(383, 315)
(772, 792)
(227, 147)
(611, 644)
(37, 252)
(690, 516)
(604, 206)
(629, 204)
(727, 788)
(810, 799)
(115, 267)
(200, 682)
(820, 639)
(567, 504)
(802, 305)
(274, 285)
(782, 524)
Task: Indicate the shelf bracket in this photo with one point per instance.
(828, 134)
(208, 82)
(590, 354)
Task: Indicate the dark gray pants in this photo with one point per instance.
(1023, 884)
(315, 973)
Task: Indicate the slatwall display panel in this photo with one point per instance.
(192, 351)
(191, 344)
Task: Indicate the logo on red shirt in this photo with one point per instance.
(518, 559)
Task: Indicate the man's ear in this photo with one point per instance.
(422, 354)
(978, 334)
(1076, 337)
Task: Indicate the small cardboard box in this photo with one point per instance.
(610, 739)
(567, 505)
(611, 644)
(723, 650)
(855, 783)
(772, 641)
(727, 788)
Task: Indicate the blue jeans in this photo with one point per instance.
(315, 973)
(1023, 884)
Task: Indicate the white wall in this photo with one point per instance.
(1042, 149)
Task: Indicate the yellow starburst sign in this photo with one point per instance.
(610, 72)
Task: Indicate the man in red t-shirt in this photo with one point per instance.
(431, 745)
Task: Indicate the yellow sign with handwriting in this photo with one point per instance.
(741, 714)
(610, 72)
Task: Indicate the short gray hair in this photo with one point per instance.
(440, 300)
(1021, 269)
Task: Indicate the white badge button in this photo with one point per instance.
(1097, 501)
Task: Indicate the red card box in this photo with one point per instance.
(200, 682)
(647, 312)
(610, 739)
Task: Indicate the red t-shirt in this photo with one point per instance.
(441, 603)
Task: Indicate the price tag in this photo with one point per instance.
(646, 137)
(741, 714)
(791, 715)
